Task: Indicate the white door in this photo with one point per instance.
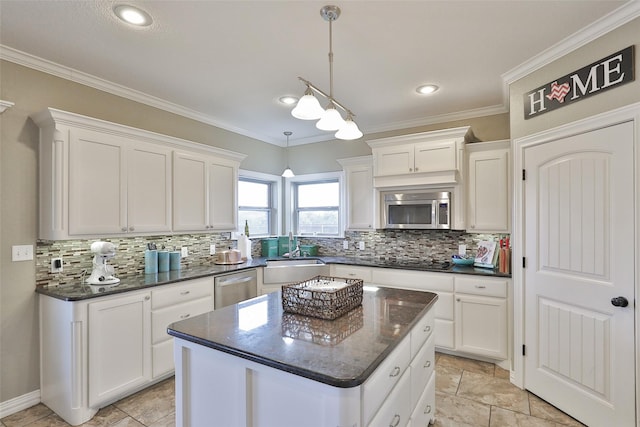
(579, 249)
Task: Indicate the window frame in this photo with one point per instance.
(290, 202)
(275, 200)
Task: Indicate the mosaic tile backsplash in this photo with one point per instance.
(384, 245)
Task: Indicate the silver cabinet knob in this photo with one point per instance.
(131, 228)
(124, 229)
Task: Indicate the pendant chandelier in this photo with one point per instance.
(288, 173)
(308, 107)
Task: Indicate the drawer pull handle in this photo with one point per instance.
(395, 372)
(395, 421)
(185, 292)
(480, 286)
(428, 409)
(184, 316)
(428, 364)
(427, 328)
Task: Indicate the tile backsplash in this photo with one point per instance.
(387, 245)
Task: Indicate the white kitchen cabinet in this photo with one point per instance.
(428, 160)
(119, 355)
(98, 178)
(170, 304)
(351, 272)
(97, 350)
(488, 187)
(481, 316)
(359, 188)
(439, 283)
(205, 193)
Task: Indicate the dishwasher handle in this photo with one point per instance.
(234, 281)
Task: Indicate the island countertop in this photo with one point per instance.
(341, 352)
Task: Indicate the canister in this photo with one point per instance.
(174, 260)
(269, 247)
(283, 244)
(163, 261)
(150, 262)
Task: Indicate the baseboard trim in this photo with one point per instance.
(19, 403)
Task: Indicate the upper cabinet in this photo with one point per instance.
(488, 187)
(427, 160)
(205, 193)
(99, 178)
(358, 173)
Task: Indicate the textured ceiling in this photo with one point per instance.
(228, 62)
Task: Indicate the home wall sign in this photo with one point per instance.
(602, 75)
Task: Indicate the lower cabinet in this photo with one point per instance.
(481, 316)
(119, 354)
(471, 315)
(96, 351)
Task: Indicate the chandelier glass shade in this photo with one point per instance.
(308, 107)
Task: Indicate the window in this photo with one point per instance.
(316, 205)
(257, 204)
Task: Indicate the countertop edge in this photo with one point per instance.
(325, 379)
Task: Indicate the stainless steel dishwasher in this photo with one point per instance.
(235, 287)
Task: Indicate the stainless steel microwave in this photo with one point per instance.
(417, 210)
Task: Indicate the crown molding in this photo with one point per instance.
(49, 67)
(625, 13)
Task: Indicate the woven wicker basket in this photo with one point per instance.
(322, 296)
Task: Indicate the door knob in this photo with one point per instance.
(620, 301)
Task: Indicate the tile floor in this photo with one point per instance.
(468, 393)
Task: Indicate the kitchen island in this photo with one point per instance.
(251, 364)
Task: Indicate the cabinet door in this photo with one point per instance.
(97, 183)
(223, 196)
(359, 197)
(481, 325)
(148, 188)
(396, 160)
(190, 198)
(435, 157)
(488, 209)
(120, 346)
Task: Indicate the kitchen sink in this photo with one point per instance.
(293, 270)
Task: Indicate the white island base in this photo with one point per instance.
(216, 388)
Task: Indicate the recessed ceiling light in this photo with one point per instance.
(426, 89)
(288, 100)
(132, 15)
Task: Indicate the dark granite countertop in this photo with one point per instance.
(341, 352)
(79, 291)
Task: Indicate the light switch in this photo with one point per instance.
(21, 252)
(185, 251)
(345, 244)
(361, 246)
(212, 249)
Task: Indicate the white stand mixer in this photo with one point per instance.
(102, 273)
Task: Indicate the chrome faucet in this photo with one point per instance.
(296, 252)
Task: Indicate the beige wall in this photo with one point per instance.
(33, 91)
(626, 94)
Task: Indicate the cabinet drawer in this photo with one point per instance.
(422, 331)
(421, 369)
(193, 289)
(162, 354)
(352, 272)
(425, 411)
(385, 377)
(160, 319)
(420, 280)
(396, 409)
(482, 286)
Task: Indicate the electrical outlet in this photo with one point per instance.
(21, 252)
(361, 246)
(345, 244)
(212, 249)
(185, 251)
(56, 265)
